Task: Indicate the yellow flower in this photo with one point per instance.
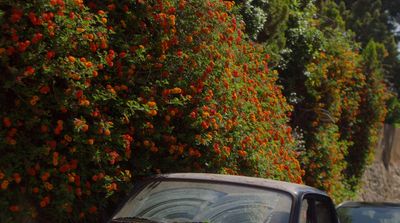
(80, 30)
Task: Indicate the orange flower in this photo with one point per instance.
(227, 150)
(242, 153)
(107, 132)
(17, 178)
(90, 141)
(4, 184)
(80, 30)
(88, 64)
(151, 104)
(189, 39)
(35, 190)
(71, 178)
(176, 90)
(48, 186)
(146, 143)
(172, 20)
(45, 176)
(95, 73)
(81, 124)
(152, 112)
(78, 2)
(34, 100)
(112, 186)
(55, 158)
(205, 125)
(71, 59)
(43, 203)
(68, 138)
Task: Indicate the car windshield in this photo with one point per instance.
(369, 214)
(180, 201)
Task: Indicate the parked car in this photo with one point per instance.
(190, 197)
(368, 212)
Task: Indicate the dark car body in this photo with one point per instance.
(368, 212)
(241, 197)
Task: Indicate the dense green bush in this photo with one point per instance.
(93, 96)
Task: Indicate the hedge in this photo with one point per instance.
(96, 93)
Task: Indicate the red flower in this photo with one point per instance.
(22, 46)
(50, 54)
(44, 89)
(64, 168)
(34, 20)
(79, 94)
(45, 176)
(29, 71)
(16, 15)
(179, 53)
(14, 208)
(93, 209)
(7, 122)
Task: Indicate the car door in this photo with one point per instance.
(317, 209)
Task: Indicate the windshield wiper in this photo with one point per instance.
(134, 220)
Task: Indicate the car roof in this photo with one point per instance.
(355, 204)
(292, 188)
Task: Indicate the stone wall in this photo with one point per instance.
(381, 180)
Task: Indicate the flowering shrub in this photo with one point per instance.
(344, 94)
(365, 132)
(334, 87)
(94, 93)
(337, 95)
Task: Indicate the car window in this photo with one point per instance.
(314, 210)
(305, 212)
(323, 212)
(369, 214)
(173, 201)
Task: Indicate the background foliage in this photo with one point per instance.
(334, 79)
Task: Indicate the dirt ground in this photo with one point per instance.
(381, 180)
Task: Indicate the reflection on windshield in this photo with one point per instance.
(205, 202)
(369, 214)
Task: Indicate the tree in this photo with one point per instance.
(266, 22)
(376, 21)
